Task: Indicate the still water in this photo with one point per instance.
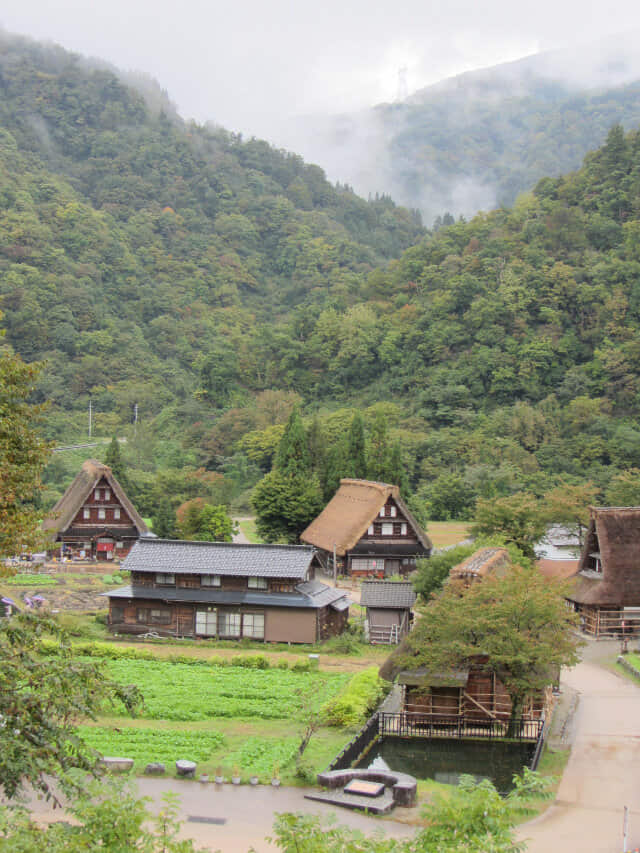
(446, 760)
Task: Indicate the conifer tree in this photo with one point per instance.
(164, 521)
(379, 450)
(397, 469)
(356, 449)
(113, 458)
(293, 458)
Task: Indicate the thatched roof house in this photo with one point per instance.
(606, 589)
(94, 517)
(370, 530)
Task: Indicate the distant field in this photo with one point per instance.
(443, 533)
(248, 528)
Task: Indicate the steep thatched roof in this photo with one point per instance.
(349, 513)
(613, 535)
(86, 480)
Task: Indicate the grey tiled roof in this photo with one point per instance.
(219, 558)
(382, 594)
(299, 598)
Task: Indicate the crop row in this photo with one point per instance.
(146, 745)
(174, 691)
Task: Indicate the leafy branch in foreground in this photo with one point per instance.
(41, 700)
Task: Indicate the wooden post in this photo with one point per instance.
(335, 565)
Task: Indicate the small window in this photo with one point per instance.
(86, 513)
(370, 530)
(87, 546)
(253, 625)
(102, 514)
(165, 579)
(387, 529)
(107, 494)
(393, 511)
(119, 544)
(210, 580)
(141, 614)
(383, 511)
(116, 513)
(160, 617)
(96, 494)
(257, 583)
(403, 529)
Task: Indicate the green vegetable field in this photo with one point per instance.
(175, 691)
(145, 745)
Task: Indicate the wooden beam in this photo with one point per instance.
(482, 708)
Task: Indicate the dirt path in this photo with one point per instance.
(603, 772)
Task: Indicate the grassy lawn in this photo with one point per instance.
(444, 533)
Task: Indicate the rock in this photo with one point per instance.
(155, 768)
(186, 769)
(117, 765)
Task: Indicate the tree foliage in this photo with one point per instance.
(23, 454)
(41, 700)
(517, 620)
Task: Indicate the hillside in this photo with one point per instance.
(475, 141)
(216, 282)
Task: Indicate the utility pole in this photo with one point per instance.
(335, 565)
(90, 412)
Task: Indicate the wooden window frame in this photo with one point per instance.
(252, 616)
(217, 581)
(165, 575)
(257, 582)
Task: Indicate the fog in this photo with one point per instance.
(278, 70)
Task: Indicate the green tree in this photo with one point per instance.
(284, 506)
(113, 458)
(449, 497)
(518, 622)
(519, 518)
(398, 469)
(569, 505)
(216, 525)
(23, 454)
(356, 449)
(292, 458)
(378, 450)
(624, 489)
(41, 698)
(164, 521)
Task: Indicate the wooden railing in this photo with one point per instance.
(457, 726)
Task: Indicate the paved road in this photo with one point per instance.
(235, 819)
(603, 772)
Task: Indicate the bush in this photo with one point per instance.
(251, 661)
(353, 705)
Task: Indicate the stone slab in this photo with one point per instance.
(363, 788)
(378, 805)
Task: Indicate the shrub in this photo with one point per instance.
(251, 661)
(353, 705)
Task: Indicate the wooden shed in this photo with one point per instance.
(388, 610)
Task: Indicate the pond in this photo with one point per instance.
(446, 760)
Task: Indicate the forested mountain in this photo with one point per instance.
(216, 282)
(475, 141)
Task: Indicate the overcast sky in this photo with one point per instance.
(248, 63)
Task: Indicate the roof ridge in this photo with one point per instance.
(247, 545)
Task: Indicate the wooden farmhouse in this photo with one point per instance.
(369, 531)
(473, 693)
(606, 587)
(388, 610)
(226, 590)
(94, 518)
